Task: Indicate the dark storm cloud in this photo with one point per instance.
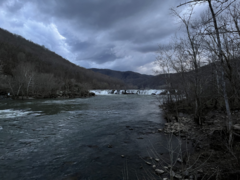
(122, 35)
(13, 7)
(96, 14)
(147, 34)
(77, 46)
(99, 57)
(148, 48)
(91, 51)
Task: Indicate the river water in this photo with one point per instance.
(79, 138)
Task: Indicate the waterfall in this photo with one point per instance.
(129, 91)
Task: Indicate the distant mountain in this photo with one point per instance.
(135, 79)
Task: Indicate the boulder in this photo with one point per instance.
(159, 171)
(179, 160)
(92, 94)
(236, 127)
(148, 163)
(178, 176)
(172, 173)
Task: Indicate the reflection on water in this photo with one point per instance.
(78, 138)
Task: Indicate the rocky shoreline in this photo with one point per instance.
(210, 156)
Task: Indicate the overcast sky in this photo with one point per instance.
(113, 34)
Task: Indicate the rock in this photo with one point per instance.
(178, 176)
(200, 171)
(148, 163)
(179, 160)
(157, 160)
(154, 166)
(165, 178)
(165, 167)
(1, 127)
(236, 126)
(186, 173)
(122, 156)
(159, 130)
(92, 94)
(159, 171)
(172, 173)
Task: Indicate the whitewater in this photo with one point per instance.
(129, 91)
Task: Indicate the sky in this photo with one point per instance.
(121, 35)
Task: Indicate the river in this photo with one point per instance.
(80, 138)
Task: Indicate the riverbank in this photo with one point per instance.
(59, 95)
(212, 157)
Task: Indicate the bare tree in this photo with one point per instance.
(23, 76)
(215, 9)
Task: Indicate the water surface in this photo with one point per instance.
(79, 138)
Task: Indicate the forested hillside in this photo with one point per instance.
(140, 81)
(28, 69)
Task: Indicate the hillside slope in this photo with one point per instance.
(14, 49)
(28, 69)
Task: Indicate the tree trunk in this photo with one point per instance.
(223, 84)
